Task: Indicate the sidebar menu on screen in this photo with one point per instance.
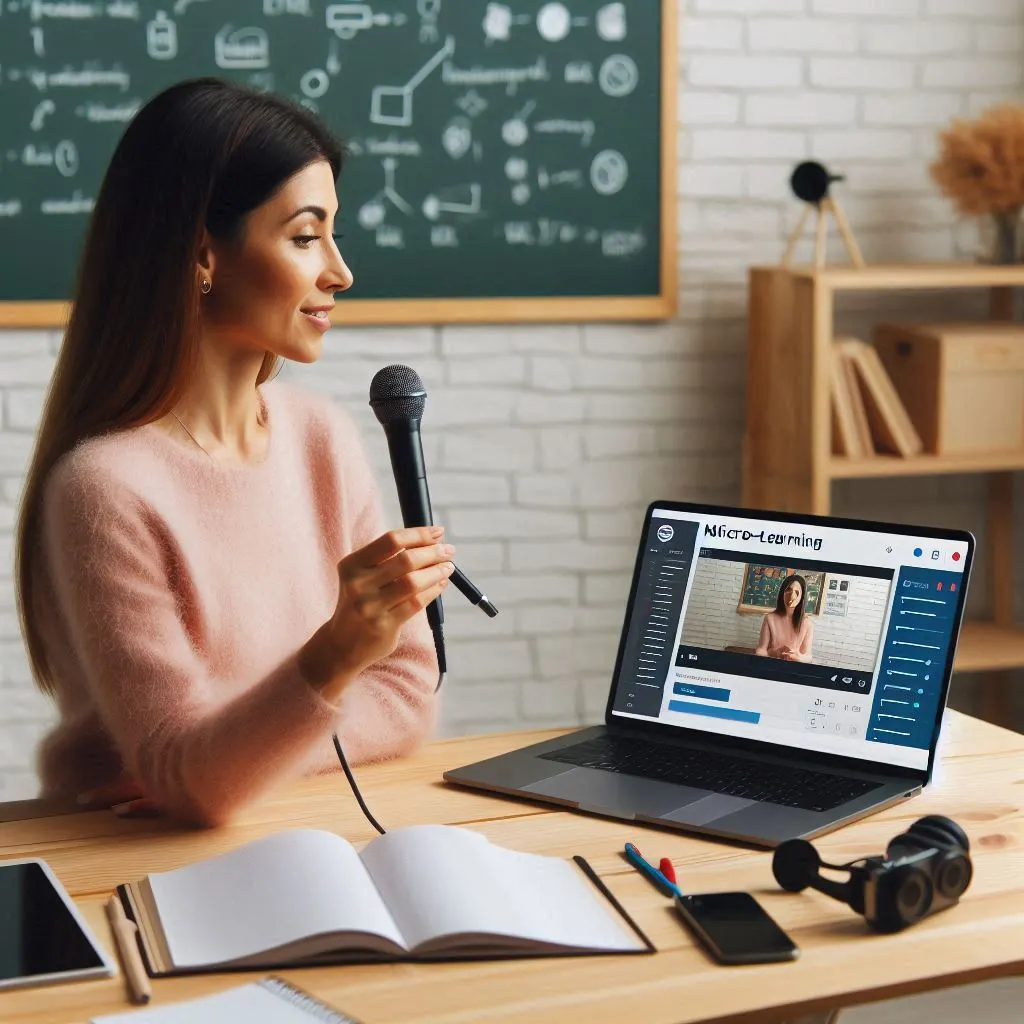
(649, 655)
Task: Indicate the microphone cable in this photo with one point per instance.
(438, 633)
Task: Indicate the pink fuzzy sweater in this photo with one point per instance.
(175, 592)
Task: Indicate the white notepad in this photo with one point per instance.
(270, 1001)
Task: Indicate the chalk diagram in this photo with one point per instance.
(457, 137)
(618, 75)
(472, 104)
(314, 83)
(241, 48)
(498, 22)
(534, 94)
(333, 58)
(463, 199)
(515, 131)
(554, 22)
(428, 10)
(547, 179)
(608, 172)
(611, 22)
(373, 211)
(346, 21)
(392, 104)
(43, 109)
(65, 158)
(162, 37)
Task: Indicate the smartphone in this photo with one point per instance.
(735, 929)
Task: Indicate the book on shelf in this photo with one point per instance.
(890, 428)
(304, 897)
(847, 437)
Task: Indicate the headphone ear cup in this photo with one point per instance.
(934, 831)
(941, 832)
(795, 863)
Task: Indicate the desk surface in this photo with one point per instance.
(980, 782)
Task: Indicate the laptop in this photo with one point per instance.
(778, 675)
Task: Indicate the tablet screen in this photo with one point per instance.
(38, 933)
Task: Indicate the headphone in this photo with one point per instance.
(924, 870)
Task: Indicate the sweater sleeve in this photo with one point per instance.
(196, 754)
(390, 708)
(765, 638)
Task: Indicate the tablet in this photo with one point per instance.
(43, 938)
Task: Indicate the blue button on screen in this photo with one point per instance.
(918, 552)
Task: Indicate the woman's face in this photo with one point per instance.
(793, 594)
(274, 287)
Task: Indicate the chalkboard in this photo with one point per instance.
(760, 589)
(508, 160)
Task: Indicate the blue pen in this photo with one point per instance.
(660, 882)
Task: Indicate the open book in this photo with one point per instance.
(305, 896)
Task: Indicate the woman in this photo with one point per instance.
(204, 579)
(788, 633)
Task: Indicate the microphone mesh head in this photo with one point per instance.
(397, 393)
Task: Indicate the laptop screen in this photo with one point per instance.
(822, 637)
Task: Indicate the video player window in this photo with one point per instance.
(787, 613)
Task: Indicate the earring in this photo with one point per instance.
(205, 286)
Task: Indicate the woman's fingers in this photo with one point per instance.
(405, 610)
(106, 796)
(393, 543)
(414, 584)
(141, 808)
(405, 563)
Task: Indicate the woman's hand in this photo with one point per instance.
(124, 797)
(380, 587)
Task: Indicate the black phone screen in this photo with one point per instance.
(735, 927)
(38, 934)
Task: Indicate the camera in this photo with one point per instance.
(924, 870)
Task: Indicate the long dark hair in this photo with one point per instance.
(201, 154)
(780, 604)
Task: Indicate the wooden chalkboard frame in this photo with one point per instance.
(811, 575)
(546, 309)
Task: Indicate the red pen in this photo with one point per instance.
(665, 867)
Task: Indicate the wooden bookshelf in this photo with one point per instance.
(788, 462)
(842, 468)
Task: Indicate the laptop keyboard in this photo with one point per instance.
(721, 773)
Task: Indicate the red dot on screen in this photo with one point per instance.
(956, 556)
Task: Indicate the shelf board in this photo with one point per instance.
(897, 276)
(842, 467)
(984, 645)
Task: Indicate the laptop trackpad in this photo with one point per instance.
(625, 795)
(710, 808)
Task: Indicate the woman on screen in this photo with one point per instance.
(787, 632)
(205, 581)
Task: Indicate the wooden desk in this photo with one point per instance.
(980, 782)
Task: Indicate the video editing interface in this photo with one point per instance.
(816, 637)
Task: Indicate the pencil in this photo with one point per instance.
(139, 990)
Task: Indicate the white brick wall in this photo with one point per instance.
(850, 641)
(545, 442)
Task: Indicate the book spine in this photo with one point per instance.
(304, 1001)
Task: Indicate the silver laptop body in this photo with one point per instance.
(733, 715)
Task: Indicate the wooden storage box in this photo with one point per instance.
(962, 384)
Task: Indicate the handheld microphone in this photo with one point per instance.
(398, 398)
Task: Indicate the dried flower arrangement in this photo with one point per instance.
(980, 166)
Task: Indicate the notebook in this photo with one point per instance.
(268, 1001)
(305, 896)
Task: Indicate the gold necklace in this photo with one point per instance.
(191, 435)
